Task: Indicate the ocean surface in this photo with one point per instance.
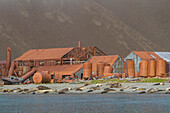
(87, 103)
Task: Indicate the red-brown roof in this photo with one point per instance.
(145, 55)
(42, 54)
(62, 69)
(104, 59)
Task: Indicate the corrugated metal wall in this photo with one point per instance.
(79, 74)
(136, 59)
(118, 66)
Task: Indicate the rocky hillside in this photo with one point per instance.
(115, 26)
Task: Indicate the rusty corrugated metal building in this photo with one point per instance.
(138, 56)
(113, 60)
(54, 57)
(64, 70)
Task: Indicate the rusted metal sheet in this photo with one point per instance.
(11, 70)
(137, 74)
(62, 69)
(152, 68)
(144, 68)
(145, 55)
(29, 74)
(100, 69)
(42, 77)
(8, 58)
(57, 76)
(42, 54)
(160, 67)
(130, 68)
(98, 59)
(87, 70)
(108, 69)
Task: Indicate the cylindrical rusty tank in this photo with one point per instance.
(108, 69)
(143, 68)
(87, 70)
(8, 58)
(27, 75)
(130, 68)
(136, 74)
(11, 70)
(160, 67)
(151, 68)
(42, 77)
(100, 69)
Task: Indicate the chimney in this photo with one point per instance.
(79, 44)
(8, 58)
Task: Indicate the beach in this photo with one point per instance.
(84, 88)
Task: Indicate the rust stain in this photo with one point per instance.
(41, 54)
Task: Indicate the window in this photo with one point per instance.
(41, 63)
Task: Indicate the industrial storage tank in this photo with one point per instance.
(130, 67)
(87, 70)
(160, 67)
(151, 68)
(42, 77)
(108, 69)
(143, 68)
(100, 69)
(137, 74)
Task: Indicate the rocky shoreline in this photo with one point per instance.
(112, 88)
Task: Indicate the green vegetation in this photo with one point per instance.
(143, 80)
(105, 81)
(152, 80)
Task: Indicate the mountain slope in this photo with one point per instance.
(26, 24)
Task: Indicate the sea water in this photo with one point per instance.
(85, 103)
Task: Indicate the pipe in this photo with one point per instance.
(11, 70)
(79, 44)
(8, 58)
(27, 75)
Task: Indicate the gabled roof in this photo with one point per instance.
(62, 69)
(145, 55)
(111, 59)
(42, 54)
(164, 55)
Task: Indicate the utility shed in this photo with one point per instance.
(64, 70)
(114, 60)
(138, 56)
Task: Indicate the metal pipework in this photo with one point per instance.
(11, 70)
(29, 74)
(8, 58)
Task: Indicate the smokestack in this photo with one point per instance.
(79, 44)
(8, 58)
